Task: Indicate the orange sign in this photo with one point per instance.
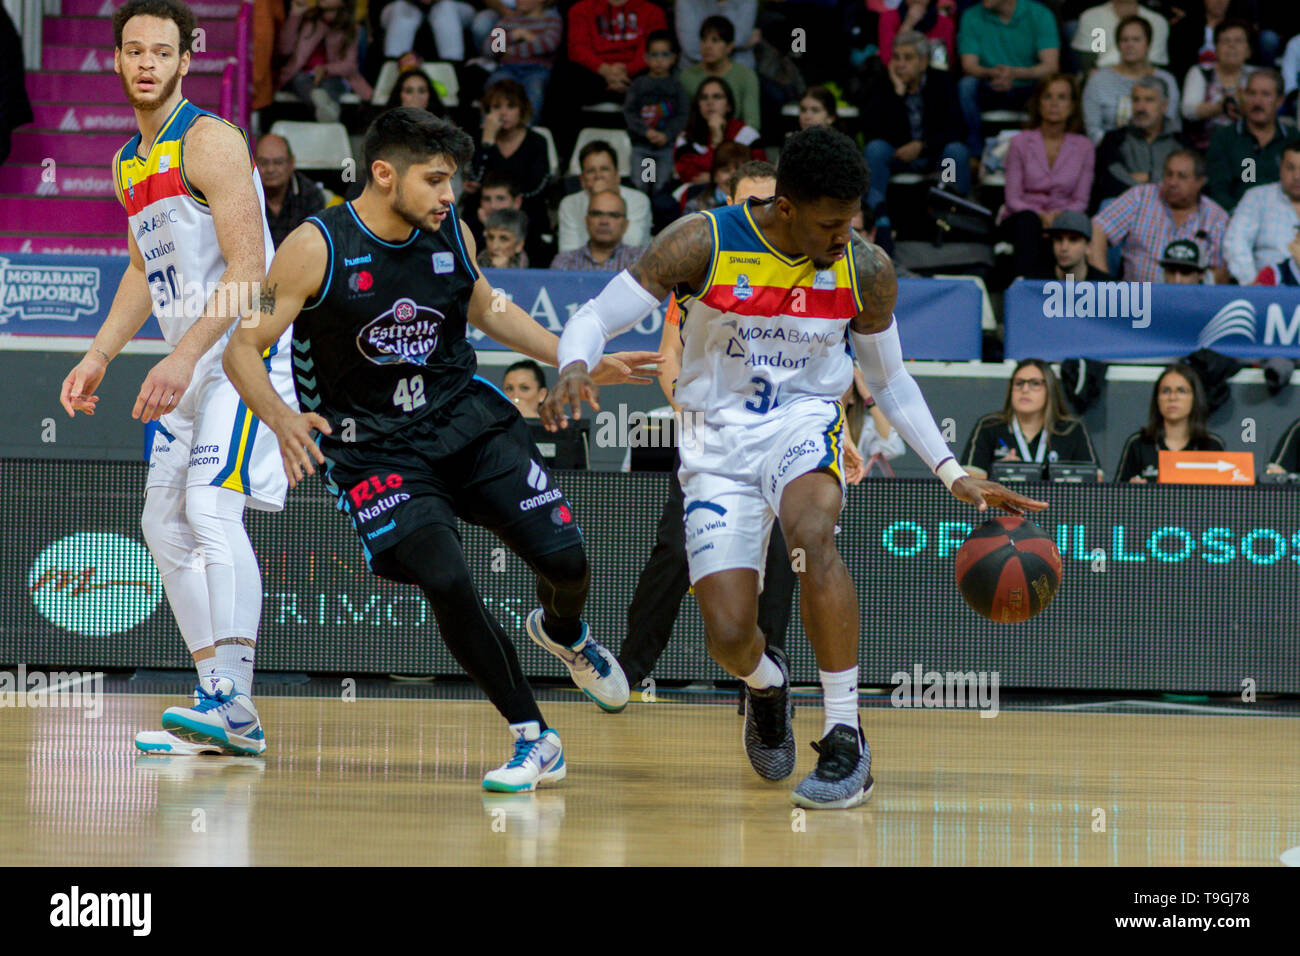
(1207, 468)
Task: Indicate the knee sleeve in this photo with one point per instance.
(166, 530)
(563, 580)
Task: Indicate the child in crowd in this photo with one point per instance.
(655, 109)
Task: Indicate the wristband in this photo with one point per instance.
(950, 471)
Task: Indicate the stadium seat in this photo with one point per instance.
(617, 138)
(443, 73)
(551, 155)
(316, 145)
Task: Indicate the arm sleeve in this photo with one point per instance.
(1193, 92)
(581, 36)
(676, 124)
(1083, 185)
(573, 232)
(689, 17)
(1128, 459)
(632, 112)
(620, 305)
(749, 107)
(1015, 188)
(1220, 168)
(979, 447)
(1093, 120)
(1239, 240)
(898, 395)
(1080, 444)
(1291, 65)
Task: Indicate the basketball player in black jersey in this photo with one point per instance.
(379, 291)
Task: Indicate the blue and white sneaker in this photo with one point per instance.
(842, 777)
(594, 670)
(538, 758)
(222, 717)
(163, 743)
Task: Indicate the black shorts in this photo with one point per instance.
(498, 481)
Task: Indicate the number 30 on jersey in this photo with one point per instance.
(409, 393)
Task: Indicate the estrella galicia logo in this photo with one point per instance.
(742, 290)
(405, 333)
(63, 293)
(96, 584)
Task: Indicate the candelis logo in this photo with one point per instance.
(95, 584)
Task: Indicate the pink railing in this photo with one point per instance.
(234, 78)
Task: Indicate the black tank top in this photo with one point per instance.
(383, 342)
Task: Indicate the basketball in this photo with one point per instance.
(1008, 569)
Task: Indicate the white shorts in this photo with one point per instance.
(733, 477)
(211, 438)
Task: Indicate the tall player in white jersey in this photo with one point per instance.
(199, 247)
(769, 292)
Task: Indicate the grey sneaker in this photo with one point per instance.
(769, 724)
(842, 777)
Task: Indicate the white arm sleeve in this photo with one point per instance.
(899, 397)
(621, 304)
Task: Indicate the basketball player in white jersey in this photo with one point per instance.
(199, 245)
(769, 290)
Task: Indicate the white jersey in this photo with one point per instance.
(765, 330)
(173, 227)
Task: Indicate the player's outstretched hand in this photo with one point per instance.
(163, 388)
(298, 448)
(78, 392)
(854, 466)
(627, 368)
(982, 493)
(573, 388)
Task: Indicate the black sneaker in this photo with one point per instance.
(842, 777)
(769, 724)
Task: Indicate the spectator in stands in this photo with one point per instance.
(505, 232)
(712, 121)
(753, 178)
(1006, 47)
(1286, 271)
(1070, 233)
(1175, 422)
(1135, 154)
(1265, 222)
(321, 45)
(1191, 36)
(869, 430)
(1107, 102)
(1183, 263)
(1291, 67)
(727, 159)
(1049, 170)
(817, 107)
(507, 145)
(717, 39)
(915, 121)
(1286, 457)
(607, 38)
(523, 44)
(606, 225)
(447, 18)
(691, 14)
(1249, 152)
(1148, 217)
(933, 19)
(268, 16)
(1212, 91)
(655, 110)
(525, 385)
(599, 164)
(290, 196)
(1109, 17)
(15, 107)
(414, 88)
(1033, 425)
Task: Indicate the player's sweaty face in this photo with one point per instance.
(149, 61)
(424, 194)
(822, 228)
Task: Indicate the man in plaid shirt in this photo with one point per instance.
(1146, 218)
(1265, 222)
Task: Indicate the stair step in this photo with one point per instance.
(80, 58)
(105, 8)
(98, 32)
(86, 118)
(93, 181)
(63, 217)
(73, 149)
(69, 87)
(63, 245)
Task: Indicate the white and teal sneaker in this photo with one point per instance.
(163, 743)
(539, 758)
(220, 716)
(594, 670)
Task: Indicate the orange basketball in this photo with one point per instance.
(1008, 569)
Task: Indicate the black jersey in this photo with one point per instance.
(382, 344)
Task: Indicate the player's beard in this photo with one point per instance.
(145, 105)
(409, 215)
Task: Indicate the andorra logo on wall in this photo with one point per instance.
(95, 584)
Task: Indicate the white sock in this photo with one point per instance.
(840, 698)
(207, 668)
(236, 662)
(767, 674)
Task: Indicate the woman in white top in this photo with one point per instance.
(1107, 100)
(1210, 91)
(868, 429)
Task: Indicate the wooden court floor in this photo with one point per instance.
(383, 781)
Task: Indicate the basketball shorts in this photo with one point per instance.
(733, 477)
(211, 438)
(498, 481)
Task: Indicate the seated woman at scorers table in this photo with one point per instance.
(1175, 422)
(1032, 426)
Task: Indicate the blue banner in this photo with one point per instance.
(1143, 321)
(939, 319)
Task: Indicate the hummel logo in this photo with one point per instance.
(537, 479)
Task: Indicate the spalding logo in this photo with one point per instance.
(405, 333)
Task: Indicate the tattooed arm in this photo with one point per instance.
(681, 253)
(877, 285)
